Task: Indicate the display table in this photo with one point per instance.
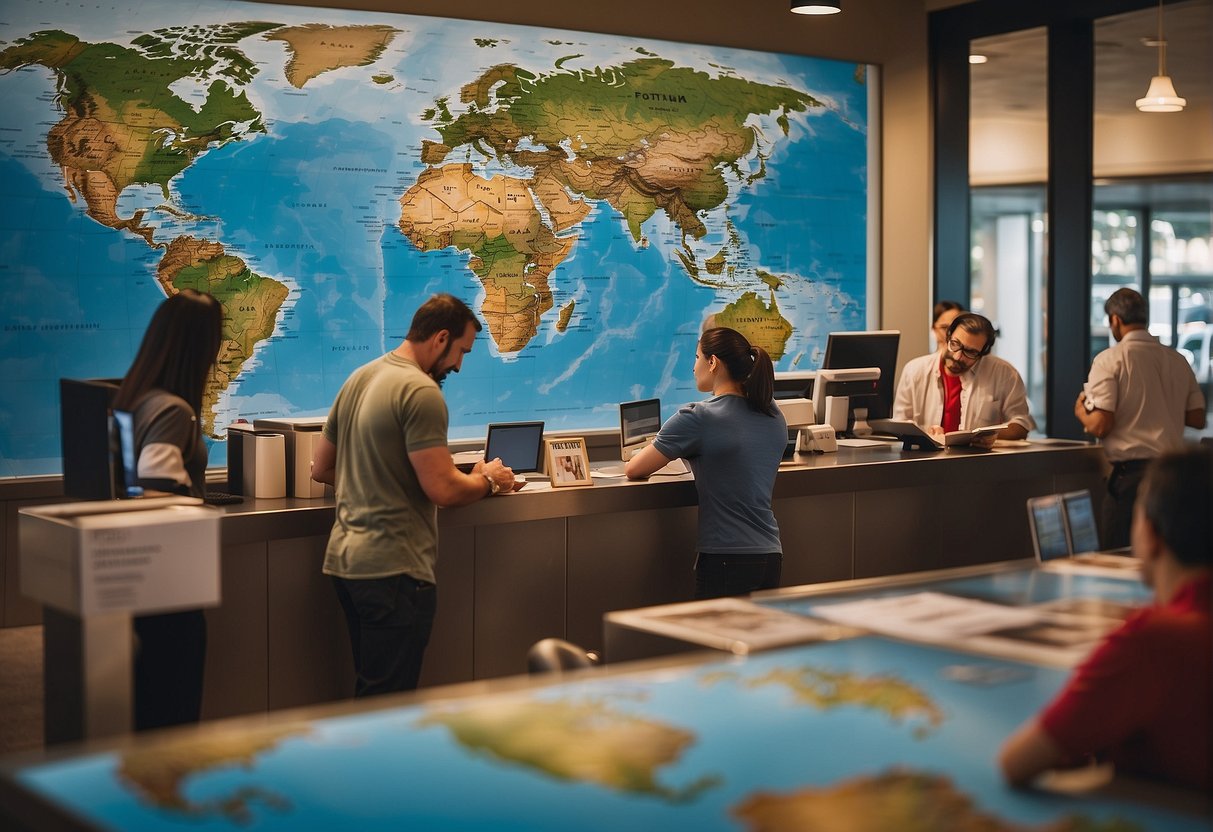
(860, 733)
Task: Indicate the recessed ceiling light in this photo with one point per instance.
(978, 59)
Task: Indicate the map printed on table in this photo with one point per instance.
(860, 734)
(596, 200)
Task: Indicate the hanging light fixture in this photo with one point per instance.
(1161, 97)
(816, 6)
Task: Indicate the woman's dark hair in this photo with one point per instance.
(945, 306)
(748, 365)
(178, 350)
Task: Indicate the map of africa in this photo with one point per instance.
(595, 199)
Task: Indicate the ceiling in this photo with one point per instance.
(1012, 84)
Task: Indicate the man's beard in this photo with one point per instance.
(437, 375)
(953, 366)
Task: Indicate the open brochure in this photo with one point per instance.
(914, 435)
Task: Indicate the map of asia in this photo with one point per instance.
(595, 199)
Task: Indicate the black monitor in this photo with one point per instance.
(854, 350)
(518, 444)
(89, 470)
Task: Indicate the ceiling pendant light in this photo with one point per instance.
(816, 6)
(1161, 97)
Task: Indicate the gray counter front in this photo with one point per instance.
(522, 567)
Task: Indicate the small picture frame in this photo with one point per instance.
(568, 462)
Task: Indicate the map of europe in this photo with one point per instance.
(596, 199)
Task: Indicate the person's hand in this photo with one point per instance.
(500, 474)
(986, 441)
(1080, 406)
(936, 430)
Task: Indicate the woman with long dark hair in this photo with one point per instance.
(733, 443)
(163, 392)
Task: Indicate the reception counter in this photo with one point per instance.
(542, 562)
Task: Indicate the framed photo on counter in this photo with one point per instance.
(568, 462)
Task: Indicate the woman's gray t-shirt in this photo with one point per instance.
(734, 453)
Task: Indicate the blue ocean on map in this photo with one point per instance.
(756, 730)
(312, 201)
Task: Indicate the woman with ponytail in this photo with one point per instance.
(733, 443)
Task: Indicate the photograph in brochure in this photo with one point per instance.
(568, 463)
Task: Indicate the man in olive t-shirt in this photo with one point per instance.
(384, 448)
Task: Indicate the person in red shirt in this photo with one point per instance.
(1144, 698)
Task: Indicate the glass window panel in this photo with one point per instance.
(1008, 166)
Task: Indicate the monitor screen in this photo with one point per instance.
(518, 444)
(89, 471)
(1080, 520)
(639, 420)
(1048, 527)
(794, 384)
(124, 432)
(852, 350)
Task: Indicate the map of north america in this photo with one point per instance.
(597, 200)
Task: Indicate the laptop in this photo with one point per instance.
(519, 445)
(1047, 519)
(1064, 532)
(638, 425)
(1083, 533)
(639, 422)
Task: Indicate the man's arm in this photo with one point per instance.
(646, 463)
(1027, 753)
(1015, 409)
(447, 486)
(324, 461)
(1195, 418)
(1096, 422)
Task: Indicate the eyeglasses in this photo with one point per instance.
(971, 354)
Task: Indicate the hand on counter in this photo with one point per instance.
(500, 475)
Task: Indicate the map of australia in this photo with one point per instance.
(596, 199)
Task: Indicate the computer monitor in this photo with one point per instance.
(858, 386)
(848, 350)
(519, 445)
(639, 422)
(128, 467)
(89, 469)
(794, 384)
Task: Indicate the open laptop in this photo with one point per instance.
(1083, 534)
(520, 447)
(639, 422)
(1054, 539)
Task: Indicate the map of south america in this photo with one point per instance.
(597, 200)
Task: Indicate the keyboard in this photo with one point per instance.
(221, 498)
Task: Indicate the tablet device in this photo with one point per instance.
(1080, 521)
(518, 444)
(1046, 516)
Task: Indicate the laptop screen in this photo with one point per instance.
(1045, 514)
(518, 444)
(639, 420)
(1080, 520)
